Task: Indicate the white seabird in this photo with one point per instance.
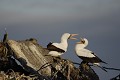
(85, 54)
(57, 49)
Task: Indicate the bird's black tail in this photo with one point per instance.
(104, 62)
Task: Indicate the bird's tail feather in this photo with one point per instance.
(104, 62)
(98, 65)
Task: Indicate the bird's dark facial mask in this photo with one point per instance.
(72, 36)
(82, 41)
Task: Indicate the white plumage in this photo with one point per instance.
(85, 53)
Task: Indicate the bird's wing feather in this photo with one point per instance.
(85, 53)
(54, 48)
(95, 56)
(91, 56)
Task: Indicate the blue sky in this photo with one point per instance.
(47, 20)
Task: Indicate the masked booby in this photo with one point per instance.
(85, 54)
(57, 49)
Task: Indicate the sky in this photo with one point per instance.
(47, 20)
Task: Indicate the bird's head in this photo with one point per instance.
(69, 36)
(83, 41)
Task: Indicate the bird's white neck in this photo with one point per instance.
(64, 43)
(79, 46)
(86, 42)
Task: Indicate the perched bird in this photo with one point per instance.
(57, 49)
(85, 54)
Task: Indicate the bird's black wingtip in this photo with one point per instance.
(104, 62)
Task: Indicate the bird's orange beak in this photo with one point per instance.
(81, 41)
(72, 36)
